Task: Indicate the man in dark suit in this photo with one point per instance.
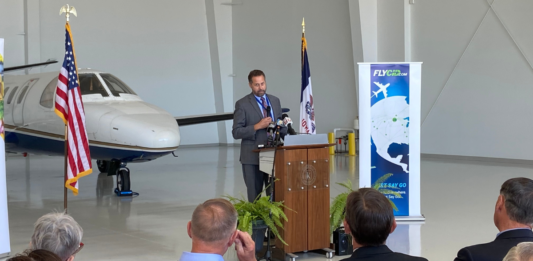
(513, 216)
(370, 220)
(250, 121)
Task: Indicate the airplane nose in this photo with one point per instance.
(150, 131)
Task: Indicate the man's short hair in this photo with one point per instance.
(58, 233)
(521, 252)
(518, 195)
(214, 220)
(370, 217)
(255, 73)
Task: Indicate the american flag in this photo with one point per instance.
(69, 107)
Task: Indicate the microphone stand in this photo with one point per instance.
(276, 143)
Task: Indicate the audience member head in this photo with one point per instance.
(58, 233)
(213, 227)
(43, 255)
(514, 207)
(36, 255)
(369, 217)
(521, 252)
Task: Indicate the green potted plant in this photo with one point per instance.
(254, 217)
(339, 202)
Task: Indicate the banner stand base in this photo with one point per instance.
(409, 218)
(5, 255)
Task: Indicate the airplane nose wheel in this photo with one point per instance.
(123, 182)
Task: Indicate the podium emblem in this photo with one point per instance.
(308, 175)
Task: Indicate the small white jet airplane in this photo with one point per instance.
(121, 127)
(382, 88)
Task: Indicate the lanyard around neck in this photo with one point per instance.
(261, 102)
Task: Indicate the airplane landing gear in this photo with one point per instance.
(103, 165)
(115, 167)
(123, 182)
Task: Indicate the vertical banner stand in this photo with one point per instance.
(5, 247)
(389, 128)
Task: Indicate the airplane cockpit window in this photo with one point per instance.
(12, 94)
(47, 98)
(90, 84)
(115, 85)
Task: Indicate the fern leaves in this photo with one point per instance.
(261, 209)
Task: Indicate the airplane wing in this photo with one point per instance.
(198, 119)
(385, 92)
(206, 118)
(22, 67)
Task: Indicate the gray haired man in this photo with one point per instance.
(521, 252)
(58, 233)
(513, 216)
(213, 230)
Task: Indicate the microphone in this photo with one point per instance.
(270, 130)
(277, 140)
(288, 122)
(279, 122)
(268, 112)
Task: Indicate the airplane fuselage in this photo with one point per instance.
(120, 125)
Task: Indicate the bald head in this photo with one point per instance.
(214, 220)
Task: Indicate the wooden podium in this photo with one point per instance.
(303, 185)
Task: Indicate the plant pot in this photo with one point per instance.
(258, 234)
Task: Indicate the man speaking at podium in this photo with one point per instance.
(253, 113)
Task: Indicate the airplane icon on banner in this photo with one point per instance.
(382, 88)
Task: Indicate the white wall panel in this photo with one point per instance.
(223, 21)
(484, 105)
(441, 31)
(12, 30)
(390, 33)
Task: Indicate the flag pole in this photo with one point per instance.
(303, 36)
(67, 9)
(65, 195)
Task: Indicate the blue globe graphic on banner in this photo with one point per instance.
(390, 125)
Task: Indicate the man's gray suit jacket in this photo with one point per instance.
(246, 115)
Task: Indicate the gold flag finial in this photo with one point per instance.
(68, 10)
(303, 25)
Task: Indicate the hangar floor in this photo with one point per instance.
(458, 196)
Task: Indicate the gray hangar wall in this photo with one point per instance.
(477, 75)
(267, 36)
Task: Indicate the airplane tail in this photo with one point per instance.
(375, 93)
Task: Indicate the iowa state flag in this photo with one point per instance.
(307, 108)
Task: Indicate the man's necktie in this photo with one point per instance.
(264, 106)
